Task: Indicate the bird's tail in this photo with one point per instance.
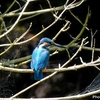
(38, 75)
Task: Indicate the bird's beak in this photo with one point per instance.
(58, 45)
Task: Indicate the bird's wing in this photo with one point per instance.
(39, 59)
(33, 61)
(43, 59)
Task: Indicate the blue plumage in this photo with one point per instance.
(40, 57)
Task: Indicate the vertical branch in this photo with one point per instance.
(93, 44)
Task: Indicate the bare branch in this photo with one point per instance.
(62, 29)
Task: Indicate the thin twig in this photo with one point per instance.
(6, 50)
(24, 33)
(62, 29)
(78, 19)
(9, 7)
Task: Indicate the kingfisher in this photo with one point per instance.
(40, 57)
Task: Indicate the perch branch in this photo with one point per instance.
(69, 68)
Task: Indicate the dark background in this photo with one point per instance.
(62, 84)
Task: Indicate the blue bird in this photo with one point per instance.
(40, 57)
